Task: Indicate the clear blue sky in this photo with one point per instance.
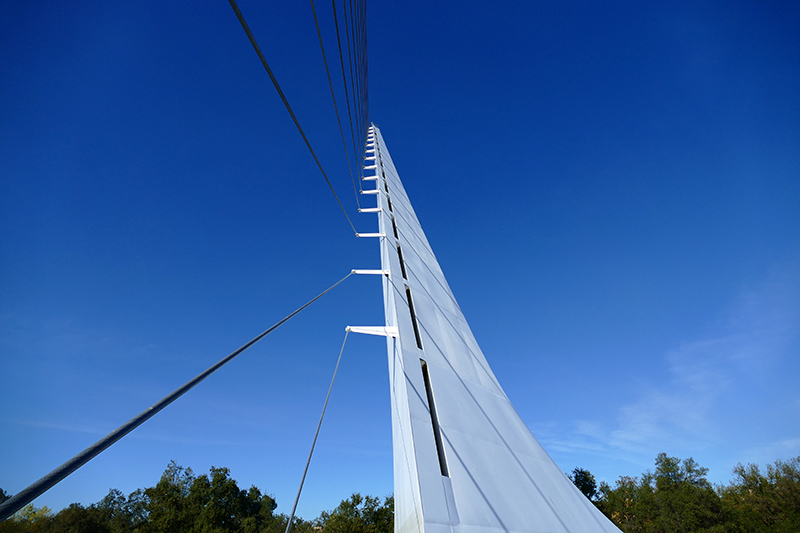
(612, 190)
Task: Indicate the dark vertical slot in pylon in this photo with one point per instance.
(402, 262)
(413, 318)
(437, 431)
(394, 227)
(390, 204)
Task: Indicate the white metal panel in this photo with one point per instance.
(496, 475)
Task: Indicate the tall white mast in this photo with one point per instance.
(464, 461)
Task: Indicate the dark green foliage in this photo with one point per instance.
(360, 514)
(180, 502)
(123, 515)
(764, 502)
(677, 498)
(29, 519)
(622, 503)
(79, 519)
(213, 503)
(585, 481)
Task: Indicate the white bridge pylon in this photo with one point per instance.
(464, 461)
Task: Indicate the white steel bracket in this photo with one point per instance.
(382, 331)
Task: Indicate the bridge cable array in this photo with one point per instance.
(354, 16)
(355, 30)
(36, 489)
(333, 96)
(253, 42)
(344, 82)
(314, 442)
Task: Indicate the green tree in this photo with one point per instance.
(167, 502)
(764, 502)
(79, 519)
(298, 525)
(626, 503)
(685, 500)
(28, 519)
(360, 514)
(213, 503)
(585, 481)
(220, 505)
(123, 515)
(676, 498)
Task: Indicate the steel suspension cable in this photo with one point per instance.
(357, 80)
(335, 107)
(354, 12)
(357, 61)
(364, 70)
(362, 32)
(36, 489)
(366, 66)
(250, 36)
(352, 81)
(361, 74)
(314, 442)
(346, 92)
(362, 79)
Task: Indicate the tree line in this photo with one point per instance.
(674, 498)
(678, 498)
(183, 502)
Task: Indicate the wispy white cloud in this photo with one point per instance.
(710, 384)
(144, 435)
(703, 373)
(779, 449)
(61, 426)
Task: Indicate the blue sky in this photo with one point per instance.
(613, 192)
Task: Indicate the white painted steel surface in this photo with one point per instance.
(381, 331)
(474, 466)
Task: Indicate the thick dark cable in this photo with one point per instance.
(286, 103)
(366, 67)
(357, 49)
(335, 107)
(314, 442)
(362, 59)
(362, 63)
(36, 489)
(356, 65)
(346, 91)
(357, 61)
(355, 80)
(352, 85)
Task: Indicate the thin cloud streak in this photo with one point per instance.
(708, 381)
(141, 435)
